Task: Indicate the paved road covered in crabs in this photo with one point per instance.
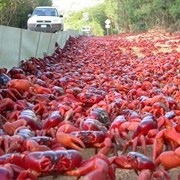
(103, 107)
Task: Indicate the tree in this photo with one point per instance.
(141, 15)
(111, 10)
(98, 16)
(44, 2)
(14, 12)
(125, 15)
(21, 14)
(7, 10)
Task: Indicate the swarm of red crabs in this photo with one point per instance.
(119, 95)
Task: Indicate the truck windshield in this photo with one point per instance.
(45, 12)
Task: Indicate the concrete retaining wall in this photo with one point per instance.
(20, 44)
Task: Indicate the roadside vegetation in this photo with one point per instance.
(14, 13)
(129, 16)
(126, 16)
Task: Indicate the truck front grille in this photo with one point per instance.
(43, 21)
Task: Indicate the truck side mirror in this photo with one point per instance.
(61, 16)
(29, 15)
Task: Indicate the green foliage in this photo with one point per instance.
(96, 28)
(21, 15)
(44, 2)
(174, 10)
(14, 12)
(125, 15)
(97, 17)
(142, 16)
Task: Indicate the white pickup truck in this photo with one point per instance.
(45, 19)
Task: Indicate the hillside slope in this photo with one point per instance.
(70, 6)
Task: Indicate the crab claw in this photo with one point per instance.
(70, 141)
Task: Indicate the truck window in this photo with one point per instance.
(45, 12)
